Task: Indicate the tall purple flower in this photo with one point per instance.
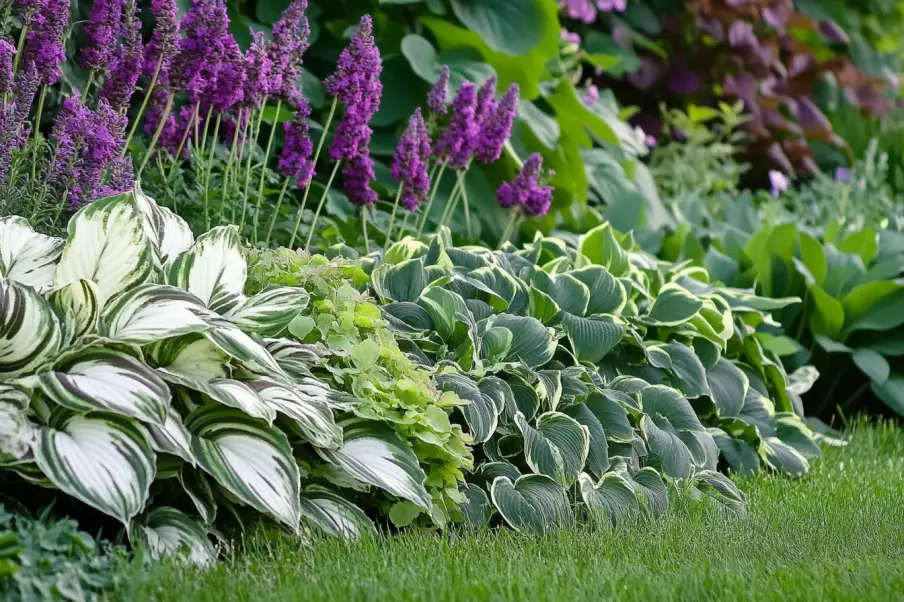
(164, 41)
(497, 129)
(409, 166)
(296, 160)
(102, 147)
(439, 93)
(205, 28)
(72, 125)
(101, 31)
(486, 100)
(44, 44)
(14, 120)
(127, 62)
(286, 50)
(526, 192)
(456, 144)
(258, 67)
(7, 57)
(228, 86)
(359, 173)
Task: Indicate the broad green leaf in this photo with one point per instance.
(668, 452)
(873, 365)
(670, 404)
(333, 514)
(533, 344)
(607, 293)
(612, 416)
(30, 333)
(874, 306)
(598, 452)
(864, 243)
(401, 282)
(191, 356)
(169, 233)
(740, 455)
(306, 406)
(481, 413)
(172, 438)
(612, 498)
(651, 490)
(411, 316)
(781, 457)
(549, 387)
(599, 247)
(478, 509)
(534, 503)
(170, 532)
(673, 306)
(231, 393)
(557, 447)
(542, 307)
(570, 294)
(404, 513)
(152, 312)
(592, 338)
(891, 393)
(722, 490)
(495, 344)
(213, 269)
(442, 306)
(513, 27)
(405, 249)
(688, 368)
(79, 307)
(103, 460)
(250, 459)
(794, 432)
(728, 386)
(269, 312)
(26, 256)
(526, 398)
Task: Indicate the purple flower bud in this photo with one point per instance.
(296, 160)
(127, 62)
(359, 172)
(439, 93)
(258, 68)
(7, 57)
(67, 136)
(165, 39)
(497, 129)
(456, 144)
(778, 183)
(205, 27)
(286, 50)
(570, 37)
(843, 174)
(409, 166)
(486, 100)
(525, 192)
(102, 145)
(44, 45)
(101, 31)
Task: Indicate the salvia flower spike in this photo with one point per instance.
(439, 93)
(497, 129)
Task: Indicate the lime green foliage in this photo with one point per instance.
(362, 357)
(835, 535)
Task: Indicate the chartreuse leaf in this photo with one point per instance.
(30, 333)
(108, 245)
(592, 338)
(557, 447)
(269, 312)
(334, 514)
(674, 305)
(170, 532)
(103, 460)
(251, 460)
(599, 247)
(152, 312)
(509, 26)
(78, 305)
(728, 386)
(612, 498)
(532, 343)
(213, 269)
(533, 503)
(26, 256)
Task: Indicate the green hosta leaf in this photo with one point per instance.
(533, 343)
(306, 405)
(873, 365)
(443, 306)
(373, 453)
(250, 459)
(213, 269)
(102, 379)
(168, 232)
(404, 513)
(542, 307)
(152, 312)
(740, 455)
(607, 293)
(570, 294)
(827, 313)
(191, 356)
(691, 376)
(549, 387)
(592, 338)
(508, 26)
(405, 249)
(557, 447)
(526, 398)
(667, 451)
(781, 457)
(670, 404)
(728, 385)
(651, 490)
(26, 256)
(402, 282)
(891, 393)
(79, 307)
(172, 438)
(598, 454)
(722, 490)
(599, 247)
(481, 413)
(108, 245)
(495, 344)
(612, 416)
(533, 503)
(170, 532)
(196, 484)
(411, 315)
(103, 460)
(613, 498)
(333, 514)
(792, 431)
(30, 333)
(228, 392)
(268, 313)
(477, 510)
(673, 306)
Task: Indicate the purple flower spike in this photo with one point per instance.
(486, 100)
(67, 136)
(258, 68)
(290, 42)
(843, 174)
(7, 57)
(497, 129)
(201, 48)
(127, 64)
(409, 166)
(439, 93)
(100, 32)
(165, 39)
(457, 142)
(525, 191)
(44, 44)
(359, 172)
(296, 160)
(102, 145)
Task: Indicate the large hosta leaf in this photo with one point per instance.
(170, 532)
(481, 412)
(612, 415)
(334, 514)
(252, 460)
(311, 413)
(213, 269)
(78, 305)
(229, 392)
(607, 293)
(673, 306)
(688, 368)
(168, 232)
(557, 447)
(722, 490)
(172, 438)
(373, 453)
(104, 460)
(191, 356)
(667, 451)
(107, 380)
(592, 338)
(26, 256)
(670, 404)
(598, 455)
(30, 332)
(728, 385)
(532, 503)
(108, 245)
(533, 343)
(599, 247)
(782, 457)
(613, 498)
(153, 312)
(740, 455)
(403, 282)
(268, 313)
(253, 356)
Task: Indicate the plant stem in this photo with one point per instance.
(508, 229)
(22, 35)
(235, 142)
(364, 228)
(451, 205)
(188, 128)
(255, 133)
(282, 193)
(37, 132)
(61, 205)
(307, 188)
(404, 224)
(206, 129)
(156, 137)
(260, 187)
(464, 196)
(442, 168)
(326, 190)
(395, 207)
(213, 148)
(88, 85)
(144, 103)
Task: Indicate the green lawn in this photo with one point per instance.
(836, 535)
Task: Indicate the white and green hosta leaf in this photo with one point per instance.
(26, 256)
(722, 490)
(477, 510)
(170, 532)
(651, 490)
(172, 438)
(557, 447)
(532, 343)
(79, 306)
(16, 433)
(612, 498)
(533, 503)
(191, 356)
(783, 458)
(153, 312)
(268, 313)
(373, 453)
(106, 380)
(213, 269)
(250, 354)
(168, 232)
(196, 484)
(311, 413)
(104, 460)
(251, 460)
(672, 405)
(333, 514)
(229, 392)
(295, 358)
(108, 245)
(30, 332)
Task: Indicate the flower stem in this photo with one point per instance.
(282, 194)
(248, 168)
(508, 229)
(156, 137)
(395, 207)
(188, 128)
(450, 207)
(144, 103)
(439, 177)
(241, 156)
(307, 188)
(404, 224)
(326, 190)
(37, 132)
(364, 228)
(89, 84)
(206, 129)
(213, 148)
(229, 163)
(464, 196)
(22, 35)
(260, 187)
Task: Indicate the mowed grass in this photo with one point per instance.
(837, 534)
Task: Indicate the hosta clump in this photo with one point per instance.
(356, 352)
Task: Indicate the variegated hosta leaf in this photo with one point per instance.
(334, 514)
(557, 448)
(481, 413)
(30, 332)
(168, 232)
(667, 451)
(252, 356)
(79, 307)
(477, 510)
(196, 484)
(213, 269)
(228, 392)
(294, 357)
(311, 412)
(172, 438)
(16, 434)
(170, 532)
(107, 380)
(722, 490)
(153, 312)
(613, 497)
(108, 245)
(250, 459)
(103, 460)
(191, 356)
(533, 502)
(268, 313)
(373, 453)
(26, 256)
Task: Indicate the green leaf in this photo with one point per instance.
(153, 312)
(269, 312)
(794, 432)
(612, 416)
(722, 490)
(689, 370)
(477, 509)
(783, 458)
(667, 451)
(30, 333)
(403, 513)
(828, 315)
(873, 365)
(79, 306)
(740, 455)
(404, 281)
(864, 243)
(613, 498)
(443, 306)
(728, 386)
(607, 293)
(496, 343)
(170, 532)
(513, 27)
(541, 306)
(534, 503)
(334, 514)
(545, 127)
(213, 269)
(651, 490)
(481, 413)
(26, 256)
(599, 247)
(891, 393)
(598, 454)
(874, 306)
(670, 404)
(557, 447)
(592, 338)
(673, 306)
(533, 344)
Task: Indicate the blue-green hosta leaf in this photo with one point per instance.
(704, 451)
(443, 307)
(612, 416)
(740, 455)
(794, 432)
(152, 312)
(500, 395)
(107, 244)
(781, 457)
(569, 293)
(477, 510)
(668, 452)
(311, 413)
(542, 307)
(402, 282)
(651, 490)
(104, 460)
(333, 514)
(533, 344)
(414, 317)
(722, 490)
(231, 393)
(191, 356)
(78, 305)
(557, 447)
(30, 333)
(689, 369)
(674, 306)
(213, 269)
(598, 455)
(481, 413)
(251, 460)
(873, 365)
(172, 437)
(372, 452)
(670, 404)
(729, 386)
(168, 232)
(16, 433)
(592, 338)
(526, 398)
(612, 498)
(495, 344)
(268, 313)
(26, 256)
(607, 293)
(170, 532)
(106, 380)
(549, 387)
(533, 503)
(599, 247)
